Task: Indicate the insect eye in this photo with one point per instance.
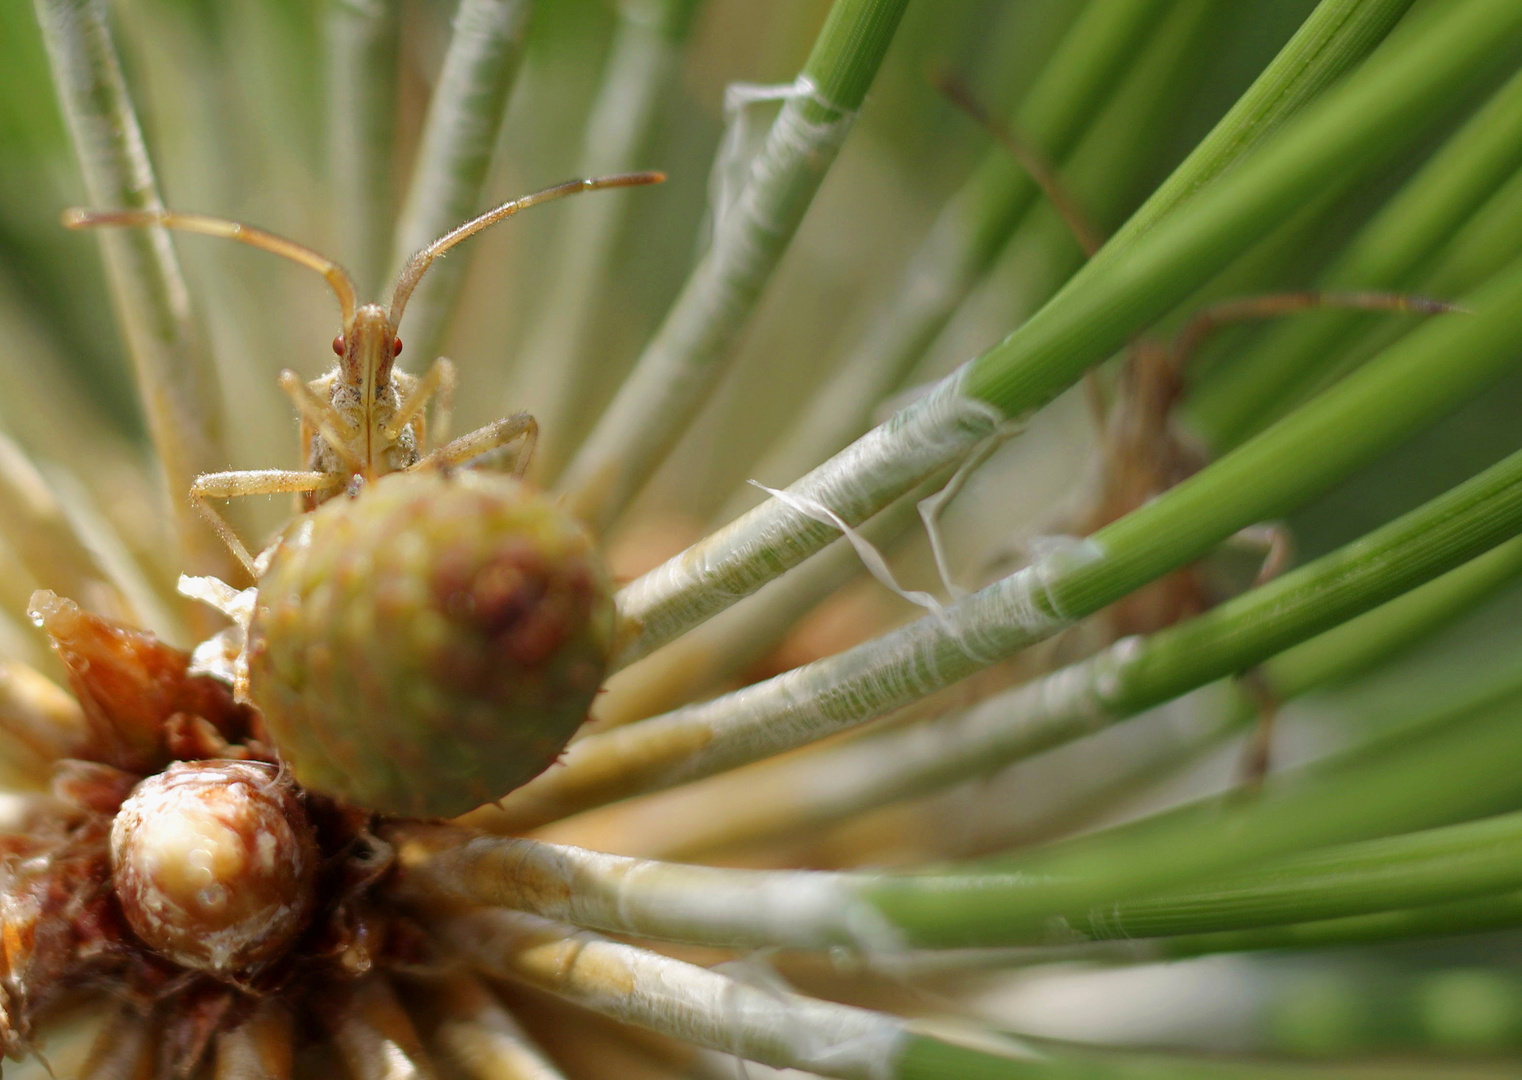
(396, 347)
(338, 344)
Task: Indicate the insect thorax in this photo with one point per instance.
(385, 455)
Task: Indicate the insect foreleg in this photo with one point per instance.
(484, 440)
(339, 433)
(227, 485)
(438, 380)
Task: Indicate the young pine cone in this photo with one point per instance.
(430, 644)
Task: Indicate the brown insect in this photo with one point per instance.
(364, 418)
(1142, 449)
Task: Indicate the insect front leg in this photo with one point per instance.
(438, 382)
(486, 439)
(228, 485)
(321, 415)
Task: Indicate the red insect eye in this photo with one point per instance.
(338, 344)
(396, 347)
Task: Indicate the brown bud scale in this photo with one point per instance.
(129, 684)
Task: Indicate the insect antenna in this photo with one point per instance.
(416, 266)
(336, 275)
(1028, 156)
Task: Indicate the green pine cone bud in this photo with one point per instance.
(431, 644)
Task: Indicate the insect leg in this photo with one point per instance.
(486, 439)
(1276, 543)
(1273, 305)
(227, 485)
(1257, 754)
(339, 433)
(438, 380)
